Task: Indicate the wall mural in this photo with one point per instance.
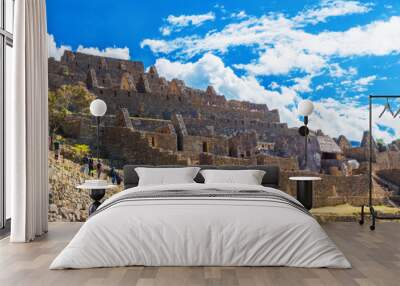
(219, 83)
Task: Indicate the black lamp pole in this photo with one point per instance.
(306, 142)
(98, 136)
(304, 131)
(305, 108)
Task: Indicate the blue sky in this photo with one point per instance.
(333, 52)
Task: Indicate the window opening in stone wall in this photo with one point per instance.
(205, 147)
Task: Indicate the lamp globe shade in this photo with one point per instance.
(98, 107)
(306, 107)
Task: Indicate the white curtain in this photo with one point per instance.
(27, 124)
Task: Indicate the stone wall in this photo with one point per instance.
(210, 159)
(161, 140)
(285, 164)
(133, 147)
(243, 145)
(388, 160)
(336, 190)
(361, 154)
(200, 144)
(66, 202)
(230, 123)
(151, 124)
(382, 160)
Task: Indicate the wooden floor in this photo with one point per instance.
(375, 257)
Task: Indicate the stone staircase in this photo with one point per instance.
(392, 190)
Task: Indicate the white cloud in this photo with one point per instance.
(274, 85)
(366, 80)
(240, 15)
(377, 38)
(210, 70)
(282, 46)
(249, 32)
(220, 7)
(282, 59)
(57, 52)
(166, 30)
(186, 20)
(331, 8)
(361, 84)
(157, 46)
(322, 86)
(333, 117)
(53, 50)
(296, 49)
(177, 23)
(114, 52)
(163, 46)
(335, 70)
(336, 118)
(302, 84)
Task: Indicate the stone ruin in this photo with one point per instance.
(183, 123)
(180, 122)
(152, 120)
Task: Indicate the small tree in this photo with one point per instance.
(381, 145)
(66, 100)
(80, 150)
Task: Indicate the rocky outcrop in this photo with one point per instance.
(343, 143)
(66, 202)
(365, 141)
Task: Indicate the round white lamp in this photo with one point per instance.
(98, 107)
(306, 107)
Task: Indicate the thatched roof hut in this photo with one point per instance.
(328, 145)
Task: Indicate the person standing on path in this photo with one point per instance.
(91, 166)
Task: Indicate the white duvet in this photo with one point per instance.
(200, 231)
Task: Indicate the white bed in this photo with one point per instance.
(202, 231)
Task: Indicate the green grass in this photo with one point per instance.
(348, 212)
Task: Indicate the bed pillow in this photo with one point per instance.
(166, 176)
(247, 177)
